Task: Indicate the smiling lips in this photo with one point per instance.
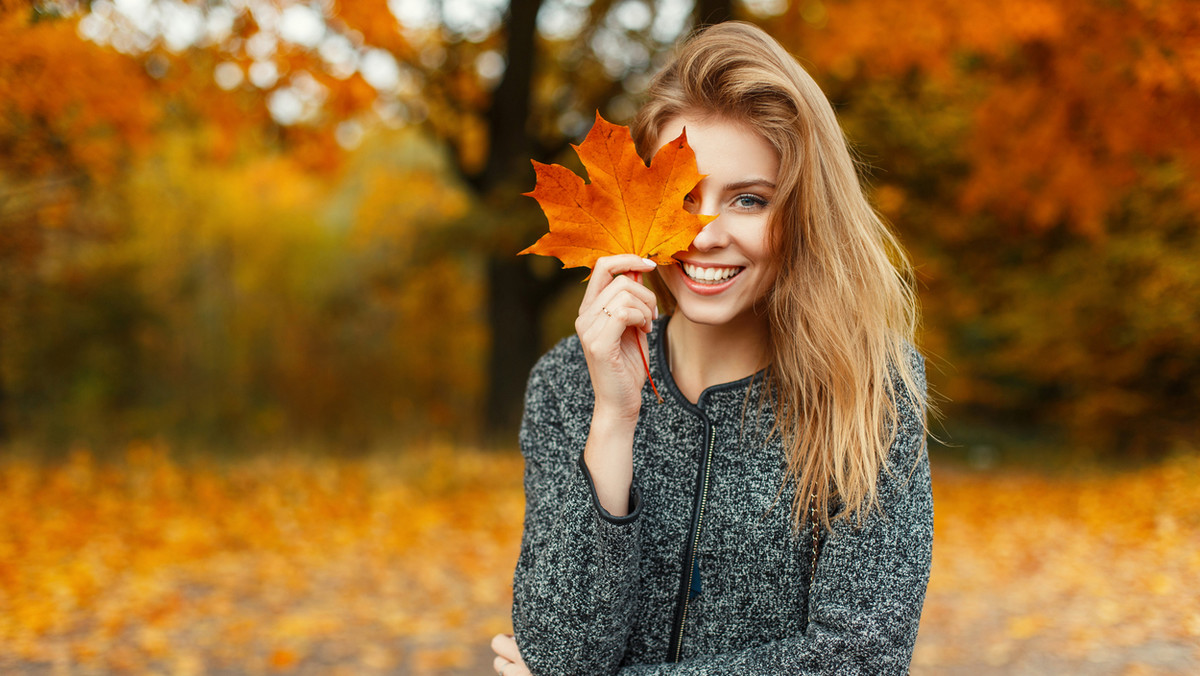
(709, 275)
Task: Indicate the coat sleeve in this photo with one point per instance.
(869, 586)
(576, 579)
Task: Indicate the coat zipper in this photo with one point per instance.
(676, 648)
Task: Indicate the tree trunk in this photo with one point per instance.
(4, 433)
(509, 142)
(515, 297)
(712, 11)
(516, 300)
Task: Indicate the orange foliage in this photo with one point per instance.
(66, 103)
(403, 562)
(1073, 96)
(1039, 158)
(374, 21)
(640, 208)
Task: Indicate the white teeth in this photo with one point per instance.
(711, 275)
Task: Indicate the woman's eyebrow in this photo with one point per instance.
(754, 182)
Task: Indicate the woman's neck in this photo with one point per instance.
(702, 355)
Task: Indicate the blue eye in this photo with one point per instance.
(749, 202)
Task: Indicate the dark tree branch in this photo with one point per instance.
(708, 12)
(509, 137)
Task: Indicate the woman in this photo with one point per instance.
(774, 514)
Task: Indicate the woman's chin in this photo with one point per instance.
(708, 314)
(720, 310)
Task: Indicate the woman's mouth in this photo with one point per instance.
(716, 274)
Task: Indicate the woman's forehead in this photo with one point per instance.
(726, 150)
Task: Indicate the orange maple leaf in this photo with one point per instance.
(627, 208)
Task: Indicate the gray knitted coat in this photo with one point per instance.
(705, 575)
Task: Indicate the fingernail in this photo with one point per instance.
(656, 312)
(649, 262)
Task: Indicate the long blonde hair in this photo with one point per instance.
(842, 312)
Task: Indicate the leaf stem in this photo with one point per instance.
(637, 277)
(647, 366)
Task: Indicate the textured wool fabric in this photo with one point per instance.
(596, 594)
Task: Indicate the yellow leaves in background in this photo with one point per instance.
(401, 188)
(303, 304)
(1043, 75)
(261, 565)
(1090, 568)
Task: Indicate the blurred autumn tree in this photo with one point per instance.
(55, 142)
(318, 78)
(1039, 157)
(175, 260)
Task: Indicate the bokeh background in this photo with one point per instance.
(264, 338)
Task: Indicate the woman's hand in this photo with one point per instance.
(508, 660)
(615, 312)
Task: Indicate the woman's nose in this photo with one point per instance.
(712, 236)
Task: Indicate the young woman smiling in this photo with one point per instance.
(774, 514)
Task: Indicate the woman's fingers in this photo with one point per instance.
(613, 304)
(600, 329)
(621, 292)
(628, 285)
(508, 658)
(625, 314)
(505, 646)
(609, 267)
(505, 668)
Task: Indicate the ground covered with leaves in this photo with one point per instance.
(401, 564)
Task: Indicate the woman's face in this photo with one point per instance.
(727, 268)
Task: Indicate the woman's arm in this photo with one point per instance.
(615, 313)
(575, 584)
(575, 580)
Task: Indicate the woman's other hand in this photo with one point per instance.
(615, 312)
(508, 660)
